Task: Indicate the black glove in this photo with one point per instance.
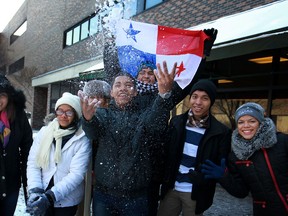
(196, 177)
(40, 205)
(213, 171)
(33, 194)
(208, 43)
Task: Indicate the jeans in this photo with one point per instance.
(108, 205)
(8, 204)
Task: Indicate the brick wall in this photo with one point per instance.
(187, 13)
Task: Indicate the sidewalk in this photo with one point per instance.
(224, 205)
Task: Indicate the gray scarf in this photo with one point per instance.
(265, 137)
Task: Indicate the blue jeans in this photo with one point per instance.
(108, 205)
(8, 204)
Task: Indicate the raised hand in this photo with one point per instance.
(88, 108)
(208, 43)
(164, 78)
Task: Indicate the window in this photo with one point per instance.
(16, 66)
(82, 30)
(146, 4)
(18, 32)
(151, 3)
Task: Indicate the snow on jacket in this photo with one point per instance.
(122, 163)
(68, 175)
(214, 145)
(265, 175)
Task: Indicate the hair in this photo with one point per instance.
(123, 74)
(16, 98)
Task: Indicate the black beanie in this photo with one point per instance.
(207, 86)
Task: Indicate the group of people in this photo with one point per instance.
(144, 163)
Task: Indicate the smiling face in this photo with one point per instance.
(200, 104)
(247, 126)
(123, 90)
(3, 101)
(146, 75)
(64, 116)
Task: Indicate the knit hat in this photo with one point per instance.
(97, 87)
(71, 100)
(251, 109)
(207, 86)
(146, 64)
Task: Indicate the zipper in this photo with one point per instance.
(247, 163)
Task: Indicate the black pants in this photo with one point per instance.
(153, 198)
(67, 211)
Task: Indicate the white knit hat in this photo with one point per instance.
(71, 100)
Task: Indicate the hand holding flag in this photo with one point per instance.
(137, 42)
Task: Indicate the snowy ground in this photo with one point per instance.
(21, 207)
(223, 205)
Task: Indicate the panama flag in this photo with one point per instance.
(139, 42)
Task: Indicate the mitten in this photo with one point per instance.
(213, 171)
(208, 43)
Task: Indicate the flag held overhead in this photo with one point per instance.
(138, 42)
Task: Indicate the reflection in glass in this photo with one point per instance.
(84, 30)
(76, 34)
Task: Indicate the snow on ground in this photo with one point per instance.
(21, 207)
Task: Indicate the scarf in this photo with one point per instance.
(192, 122)
(4, 129)
(265, 137)
(52, 131)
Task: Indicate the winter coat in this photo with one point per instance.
(123, 161)
(215, 144)
(13, 161)
(68, 175)
(265, 175)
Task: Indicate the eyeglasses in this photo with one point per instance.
(68, 113)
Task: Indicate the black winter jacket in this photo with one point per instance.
(265, 175)
(123, 160)
(214, 145)
(13, 159)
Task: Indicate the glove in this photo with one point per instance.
(33, 194)
(213, 171)
(196, 177)
(39, 206)
(208, 43)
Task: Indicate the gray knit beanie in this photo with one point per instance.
(97, 88)
(252, 109)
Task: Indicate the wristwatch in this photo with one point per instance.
(165, 95)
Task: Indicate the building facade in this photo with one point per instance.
(63, 43)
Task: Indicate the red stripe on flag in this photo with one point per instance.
(174, 41)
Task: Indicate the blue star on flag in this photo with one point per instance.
(131, 33)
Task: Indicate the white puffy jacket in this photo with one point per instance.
(68, 174)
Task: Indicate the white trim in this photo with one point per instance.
(68, 72)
